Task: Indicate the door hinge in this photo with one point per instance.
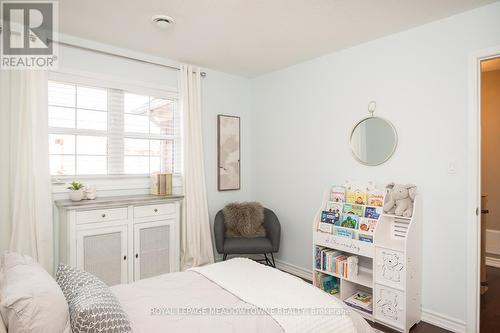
(477, 211)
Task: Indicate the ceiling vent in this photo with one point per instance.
(162, 21)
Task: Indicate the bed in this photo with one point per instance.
(237, 295)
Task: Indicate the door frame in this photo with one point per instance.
(474, 186)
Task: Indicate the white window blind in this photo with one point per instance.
(99, 130)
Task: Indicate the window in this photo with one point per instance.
(106, 131)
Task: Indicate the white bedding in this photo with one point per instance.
(235, 285)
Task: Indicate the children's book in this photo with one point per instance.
(317, 256)
(376, 198)
(350, 221)
(366, 238)
(368, 225)
(352, 266)
(337, 194)
(327, 217)
(344, 233)
(373, 212)
(357, 192)
(325, 227)
(334, 208)
(353, 209)
(330, 284)
(361, 300)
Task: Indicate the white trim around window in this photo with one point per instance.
(114, 164)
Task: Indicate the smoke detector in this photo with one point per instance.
(162, 21)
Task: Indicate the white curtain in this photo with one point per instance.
(25, 190)
(196, 240)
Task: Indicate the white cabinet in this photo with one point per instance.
(121, 240)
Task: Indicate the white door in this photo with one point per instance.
(103, 252)
(154, 248)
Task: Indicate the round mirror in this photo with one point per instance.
(373, 140)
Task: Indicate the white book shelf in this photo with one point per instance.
(389, 268)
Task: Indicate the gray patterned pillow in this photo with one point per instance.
(92, 305)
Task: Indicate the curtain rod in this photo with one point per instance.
(203, 74)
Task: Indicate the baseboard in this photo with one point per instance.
(443, 321)
(493, 241)
(431, 317)
(493, 262)
(294, 270)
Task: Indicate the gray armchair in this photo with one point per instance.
(260, 245)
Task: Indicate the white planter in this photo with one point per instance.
(76, 195)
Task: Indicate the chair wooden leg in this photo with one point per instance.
(224, 257)
(272, 257)
(268, 262)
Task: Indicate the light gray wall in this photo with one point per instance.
(419, 79)
(227, 94)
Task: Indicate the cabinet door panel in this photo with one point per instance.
(390, 268)
(154, 253)
(102, 252)
(389, 306)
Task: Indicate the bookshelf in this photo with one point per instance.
(389, 268)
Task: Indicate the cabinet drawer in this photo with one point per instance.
(390, 268)
(389, 306)
(101, 215)
(154, 210)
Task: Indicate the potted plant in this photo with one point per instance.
(75, 191)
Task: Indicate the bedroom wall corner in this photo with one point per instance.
(231, 95)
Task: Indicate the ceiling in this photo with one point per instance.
(248, 37)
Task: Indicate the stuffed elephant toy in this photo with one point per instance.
(399, 199)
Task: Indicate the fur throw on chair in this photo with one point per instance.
(244, 220)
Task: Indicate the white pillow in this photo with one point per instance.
(31, 300)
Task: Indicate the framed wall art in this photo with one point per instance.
(228, 150)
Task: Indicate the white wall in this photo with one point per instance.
(419, 78)
(226, 94)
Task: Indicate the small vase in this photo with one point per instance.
(76, 195)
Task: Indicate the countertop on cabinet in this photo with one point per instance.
(124, 200)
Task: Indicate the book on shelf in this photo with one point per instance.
(317, 256)
(344, 233)
(335, 208)
(367, 225)
(352, 266)
(354, 209)
(365, 238)
(325, 227)
(337, 194)
(327, 259)
(350, 221)
(329, 283)
(376, 198)
(373, 212)
(357, 192)
(339, 264)
(361, 300)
